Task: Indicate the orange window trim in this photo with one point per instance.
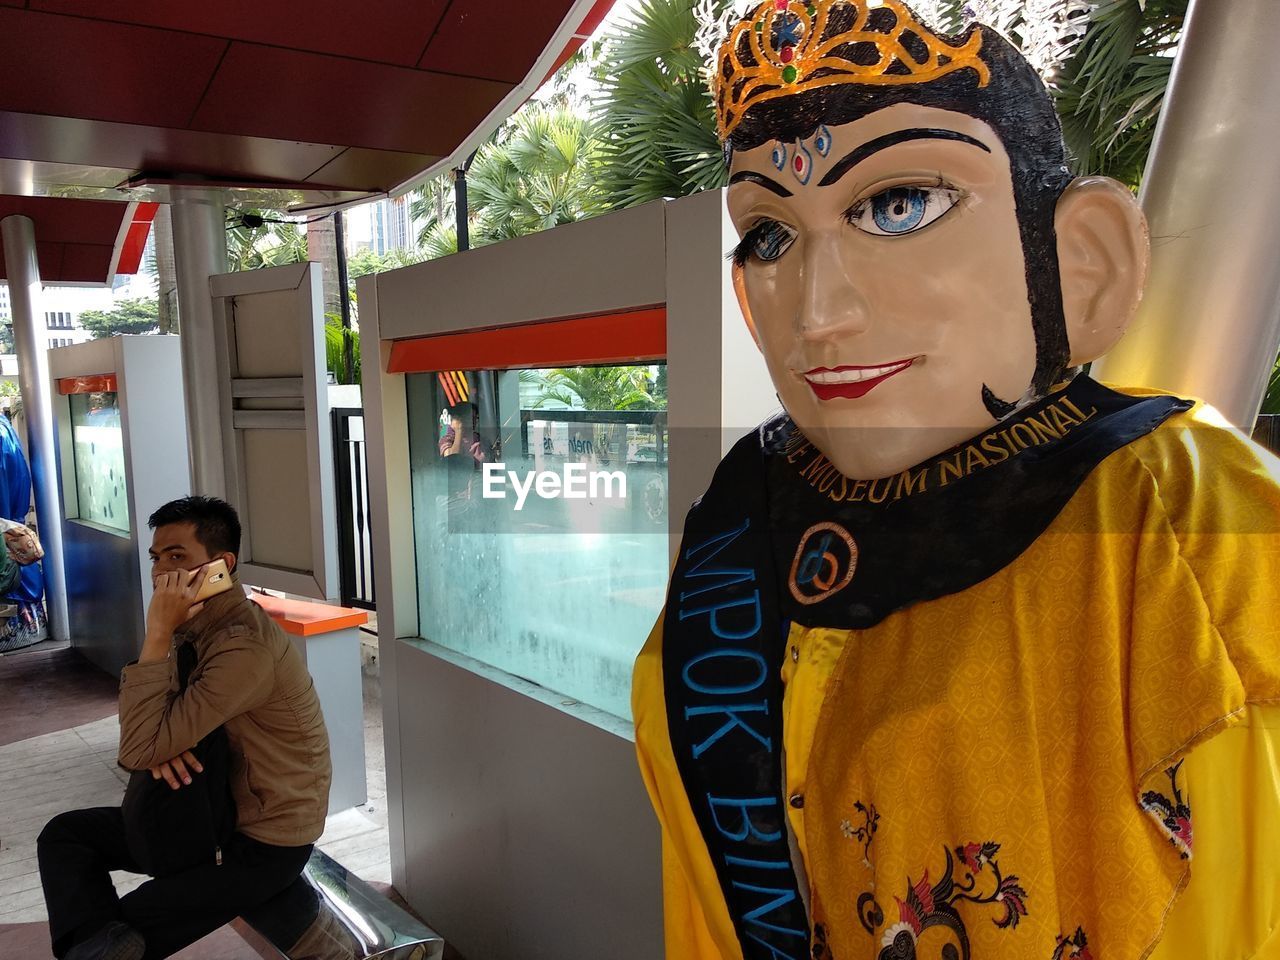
(636, 336)
(94, 383)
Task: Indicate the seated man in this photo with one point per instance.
(248, 679)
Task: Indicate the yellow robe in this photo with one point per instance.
(1034, 710)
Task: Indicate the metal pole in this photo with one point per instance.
(344, 299)
(1210, 323)
(33, 373)
(460, 208)
(460, 203)
(200, 251)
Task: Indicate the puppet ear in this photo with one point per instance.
(1103, 254)
(740, 290)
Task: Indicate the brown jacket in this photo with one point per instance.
(250, 679)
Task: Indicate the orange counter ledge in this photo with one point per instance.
(305, 618)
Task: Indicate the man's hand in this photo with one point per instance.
(172, 605)
(176, 770)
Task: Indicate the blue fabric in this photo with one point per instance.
(15, 501)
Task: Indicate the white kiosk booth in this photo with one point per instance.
(507, 636)
(122, 445)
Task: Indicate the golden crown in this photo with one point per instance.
(792, 54)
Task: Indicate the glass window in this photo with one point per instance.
(540, 520)
(98, 444)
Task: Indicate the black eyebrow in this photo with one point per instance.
(892, 139)
(750, 176)
(172, 546)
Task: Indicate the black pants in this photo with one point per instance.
(78, 849)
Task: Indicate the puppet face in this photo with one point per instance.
(882, 272)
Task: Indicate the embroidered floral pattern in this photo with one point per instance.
(1174, 816)
(1074, 947)
(971, 874)
(865, 832)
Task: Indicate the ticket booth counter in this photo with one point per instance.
(328, 638)
(507, 636)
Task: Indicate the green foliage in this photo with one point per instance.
(599, 388)
(654, 108)
(127, 316)
(535, 173)
(364, 262)
(1110, 94)
(6, 338)
(438, 241)
(334, 359)
(269, 245)
(1271, 401)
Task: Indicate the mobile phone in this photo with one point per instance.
(217, 579)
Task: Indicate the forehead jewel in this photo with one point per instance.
(787, 47)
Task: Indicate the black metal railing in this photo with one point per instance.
(355, 542)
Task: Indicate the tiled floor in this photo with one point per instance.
(64, 759)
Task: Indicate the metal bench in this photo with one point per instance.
(331, 914)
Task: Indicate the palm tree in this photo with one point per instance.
(598, 388)
(1110, 93)
(432, 207)
(534, 173)
(655, 108)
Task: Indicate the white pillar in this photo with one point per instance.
(200, 251)
(33, 375)
(1210, 323)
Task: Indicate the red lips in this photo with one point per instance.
(851, 390)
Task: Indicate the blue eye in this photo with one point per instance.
(766, 241)
(779, 156)
(902, 210)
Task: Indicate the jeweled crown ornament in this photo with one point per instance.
(793, 46)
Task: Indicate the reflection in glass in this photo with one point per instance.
(558, 590)
(98, 445)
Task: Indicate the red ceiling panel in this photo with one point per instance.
(83, 68)
(389, 31)
(386, 108)
(496, 39)
(74, 238)
(59, 220)
(49, 260)
(85, 263)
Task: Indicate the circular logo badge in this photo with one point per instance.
(824, 564)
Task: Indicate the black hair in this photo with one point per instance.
(1015, 103)
(216, 523)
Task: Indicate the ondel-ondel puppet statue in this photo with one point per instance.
(959, 647)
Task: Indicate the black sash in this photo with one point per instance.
(781, 536)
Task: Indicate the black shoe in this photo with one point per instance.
(115, 941)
